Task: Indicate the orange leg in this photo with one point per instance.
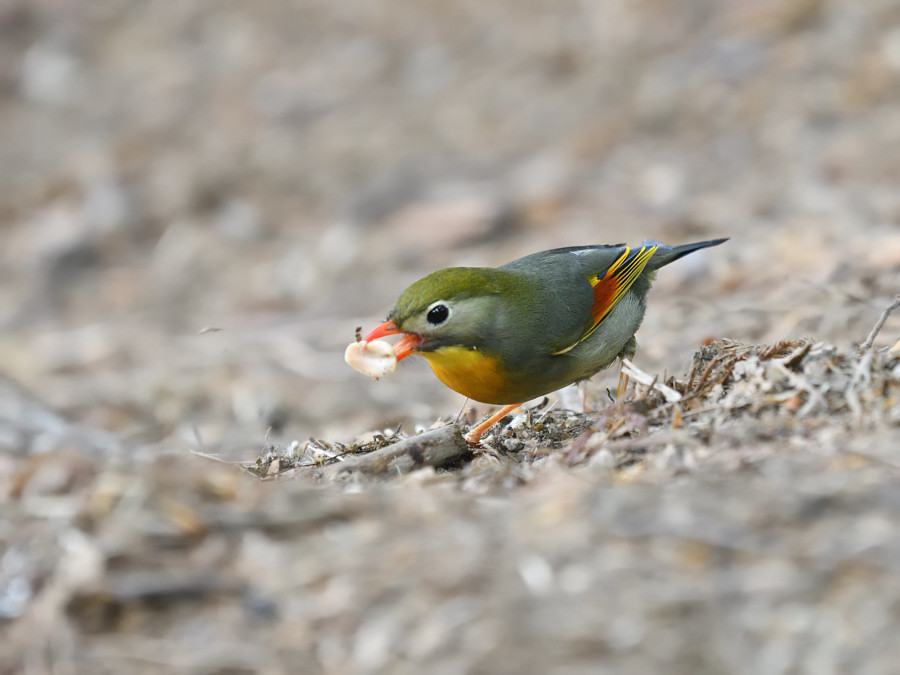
(475, 434)
(623, 385)
(585, 404)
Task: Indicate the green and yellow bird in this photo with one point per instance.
(509, 334)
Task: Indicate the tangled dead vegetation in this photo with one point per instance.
(789, 390)
(114, 560)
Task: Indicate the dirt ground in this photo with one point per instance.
(200, 203)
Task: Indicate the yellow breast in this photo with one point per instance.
(471, 373)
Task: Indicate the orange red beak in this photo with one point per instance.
(404, 347)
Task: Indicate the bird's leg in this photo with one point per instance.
(582, 390)
(475, 434)
(623, 385)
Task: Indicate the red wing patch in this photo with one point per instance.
(605, 288)
(611, 285)
(621, 275)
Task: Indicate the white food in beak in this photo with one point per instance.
(375, 359)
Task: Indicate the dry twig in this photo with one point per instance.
(648, 380)
(437, 448)
(867, 345)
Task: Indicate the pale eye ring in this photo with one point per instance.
(438, 314)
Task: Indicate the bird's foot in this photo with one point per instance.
(473, 437)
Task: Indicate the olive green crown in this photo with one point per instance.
(451, 283)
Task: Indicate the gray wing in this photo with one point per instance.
(563, 299)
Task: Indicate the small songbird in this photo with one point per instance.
(509, 334)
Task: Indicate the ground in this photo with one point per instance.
(200, 204)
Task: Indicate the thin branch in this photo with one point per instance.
(436, 448)
(867, 345)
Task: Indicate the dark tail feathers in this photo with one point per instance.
(667, 254)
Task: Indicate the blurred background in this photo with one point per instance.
(281, 171)
(200, 201)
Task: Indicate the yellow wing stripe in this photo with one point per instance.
(625, 277)
(622, 273)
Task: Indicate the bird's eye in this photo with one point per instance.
(438, 314)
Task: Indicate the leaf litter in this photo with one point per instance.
(788, 389)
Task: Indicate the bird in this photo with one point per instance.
(506, 335)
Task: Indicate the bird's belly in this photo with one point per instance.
(473, 374)
(482, 378)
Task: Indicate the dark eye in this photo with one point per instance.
(438, 314)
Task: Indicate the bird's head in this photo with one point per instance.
(453, 307)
